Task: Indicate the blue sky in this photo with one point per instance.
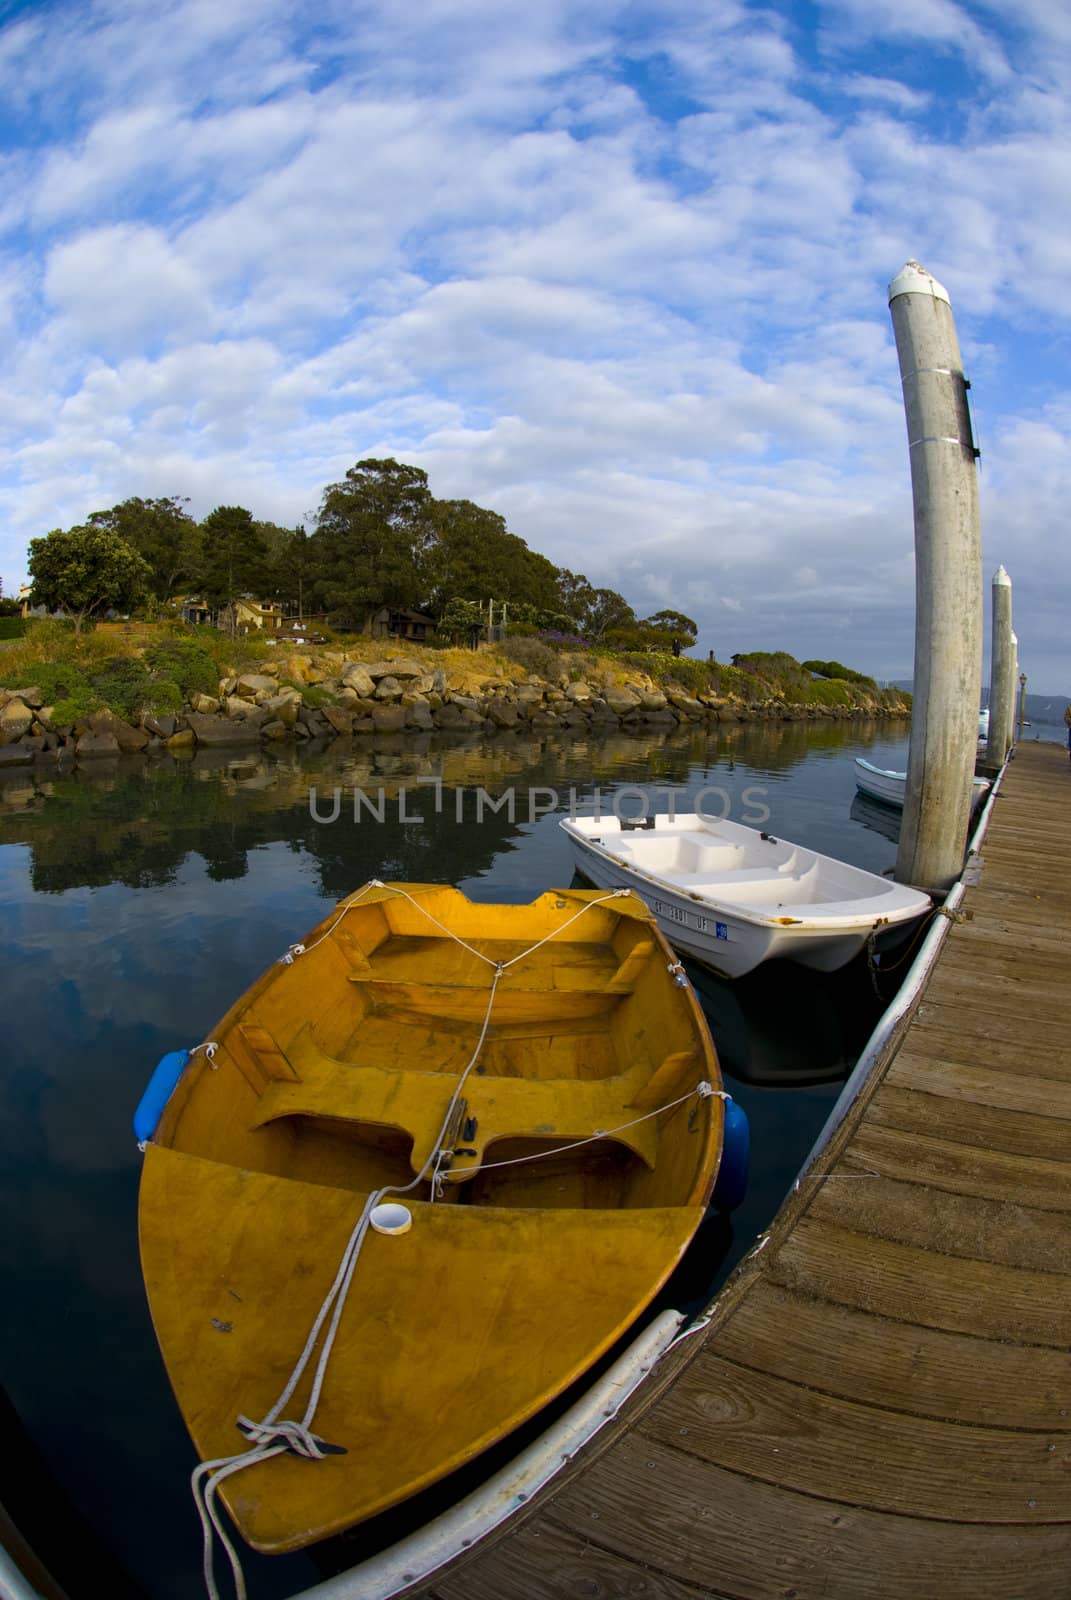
(615, 269)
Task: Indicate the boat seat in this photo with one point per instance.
(464, 1004)
(416, 1102)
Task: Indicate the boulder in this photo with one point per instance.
(128, 739)
(15, 755)
(395, 667)
(159, 727)
(653, 700)
(466, 702)
(235, 706)
(32, 697)
(181, 742)
(15, 720)
(418, 715)
(578, 691)
(222, 730)
(204, 703)
(622, 700)
(388, 688)
(388, 719)
(357, 678)
(251, 683)
(339, 718)
(93, 745)
(503, 714)
(685, 704)
(283, 708)
(314, 674)
(275, 730)
(449, 715)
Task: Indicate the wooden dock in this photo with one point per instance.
(881, 1404)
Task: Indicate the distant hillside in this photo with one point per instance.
(1039, 707)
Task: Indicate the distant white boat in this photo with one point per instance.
(881, 784)
(732, 897)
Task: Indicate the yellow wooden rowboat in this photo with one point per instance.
(533, 1082)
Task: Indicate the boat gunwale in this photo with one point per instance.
(812, 926)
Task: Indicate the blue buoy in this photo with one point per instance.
(731, 1185)
(166, 1074)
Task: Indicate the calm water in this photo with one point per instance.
(137, 902)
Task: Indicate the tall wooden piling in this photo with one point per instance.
(1001, 672)
(948, 583)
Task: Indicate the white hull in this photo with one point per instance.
(889, 787)
(732, 898)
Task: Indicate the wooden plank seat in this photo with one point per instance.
(416, 1101)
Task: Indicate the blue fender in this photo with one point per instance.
(166, 1074)
(731, 1185)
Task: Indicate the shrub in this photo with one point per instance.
(82, 701)
(165, 698)
(186, 662)
(534, 656)
(12, 627)
(55, 679)
(122, 684)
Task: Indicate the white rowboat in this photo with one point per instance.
(731, 897)
(881, 784)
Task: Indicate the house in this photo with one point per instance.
(195, 612)
(388, 623)
(245, 614)
(25, 608)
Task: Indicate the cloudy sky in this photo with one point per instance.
(614, 268)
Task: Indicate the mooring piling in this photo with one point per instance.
(948, 583)
(1001, 672)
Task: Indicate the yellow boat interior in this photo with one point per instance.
(336, 1069)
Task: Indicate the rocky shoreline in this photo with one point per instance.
(300, 698)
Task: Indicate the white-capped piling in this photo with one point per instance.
(1001, 673)
(1013, 679)
(948, 583)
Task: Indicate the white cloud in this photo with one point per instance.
(619, 272)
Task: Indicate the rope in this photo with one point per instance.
(704, 1090)
(272, 1437)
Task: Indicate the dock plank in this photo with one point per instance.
(880, 1406)
(863, 1356)
(924, 1288)
(892, 1461)
(722, 1531)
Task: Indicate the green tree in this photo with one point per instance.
(234, 557)
(162, 533)
(675, 630)
(374, 533)
(475, 557)
(462, 621)
(575, 595)
(292, 562)
(85, 572)
(607, 610)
